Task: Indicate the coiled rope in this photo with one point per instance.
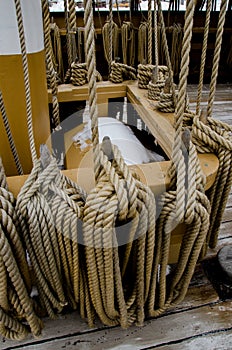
(212, 135)
(117, 199)
(184, 203)
(49, 207)
(16, 306)
(120, 72)
(78, 74)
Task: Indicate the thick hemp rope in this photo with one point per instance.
(51, 73)
(78, 74)
(214, 135)
(16, 306)
(185, 202)
(109, 56)
(142, 42)
(49, 206)
(70, 24)
(10, 136)
(120, 72)
(118, 199)
(128, 43)
(157, 83)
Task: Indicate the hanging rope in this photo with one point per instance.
(156, 42)
(216, 57)
(49, 206)
(149, 61)
(128, 43)
(177, 37)
(70, 24)
(16, 307)
(142, 42)
(50, 67)
(203, 55)
(57, 50)
(106, 42)
(165, 48)
(10, 136)
(26, 79)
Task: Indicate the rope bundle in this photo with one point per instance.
(144, 75)
(49, 206)
(215, 136)
(142, 42)
(156, 85)
(16, 306)
(78, 74)
(128, 43)
(120, 72)
(186, 204)
(110, 52)
(119, 233)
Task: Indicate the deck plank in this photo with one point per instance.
(212, 318)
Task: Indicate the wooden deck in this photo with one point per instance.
(202, 321)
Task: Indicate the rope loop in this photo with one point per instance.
(16, 306)
(118, 227)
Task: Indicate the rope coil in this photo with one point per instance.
(120, 72)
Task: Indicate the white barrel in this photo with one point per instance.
(12, 81)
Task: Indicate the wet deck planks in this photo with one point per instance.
(201, 321)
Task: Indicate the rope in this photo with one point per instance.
(156, 34)
(10, 136)
(77, 74)
(106, 41)
(49, 206)
(121, 72)
(15, 304)
(149, 61)
(177, 37)
(203, 55)
(128, 43)
(50, 66)
(215, 136)
(157, 83)
(216, 57)
(26, 79)
(144, 75)
(70, 24)
(142, 42)
(110, 33)
(57, 50)
(165, 48)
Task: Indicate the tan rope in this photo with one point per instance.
(15, 279)
(142, 42)
(121, 72)
(26, 79)
(216, 57)
(128, 43)
(149, 54)
(215, 136)
(10, 136)
(203, 55)
(106, 41)
(50, 67)
(165, 48)
(49, 206)
(57, 49)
